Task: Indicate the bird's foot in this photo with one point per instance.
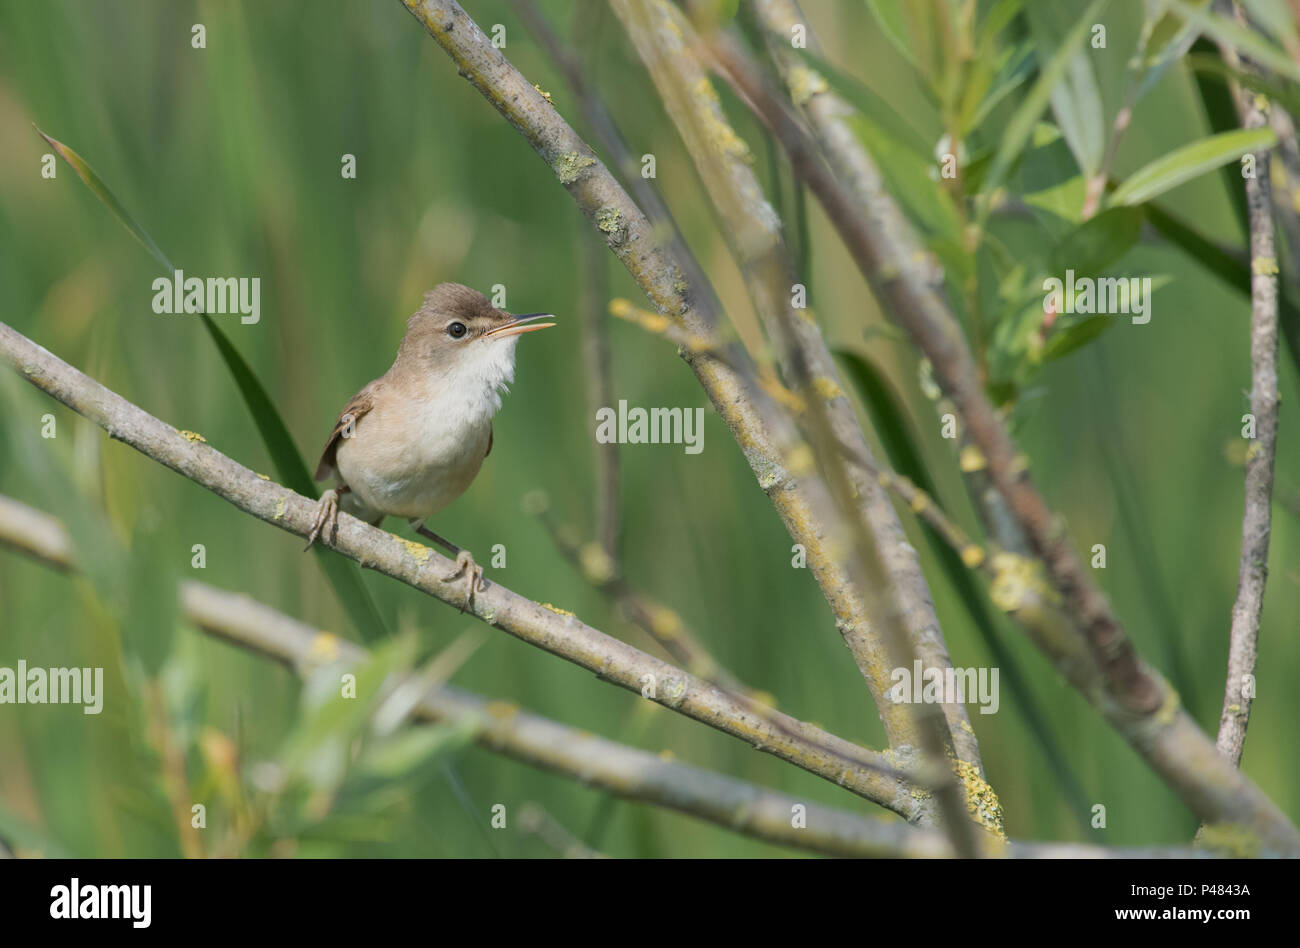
(473, 575)
(326, 523)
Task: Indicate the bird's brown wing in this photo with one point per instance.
(357, 406)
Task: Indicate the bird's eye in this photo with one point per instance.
(456, 330)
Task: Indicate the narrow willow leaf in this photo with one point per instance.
(1076, 100)
(1244, 41)
(1097, 243)
(101, 191)
(889, 16)
(1027, 114)
(289, 464)
(1286, 96)
(1190, 161)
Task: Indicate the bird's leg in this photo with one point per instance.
(327, 516)
(464, 561)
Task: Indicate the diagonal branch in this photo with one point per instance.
(770, 442)
(904, 626)
(1133, 697)
(859, 770)
(503, 728)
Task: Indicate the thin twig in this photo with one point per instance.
(1256, 521)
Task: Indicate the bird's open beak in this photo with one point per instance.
(521, 324)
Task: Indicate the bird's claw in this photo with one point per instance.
(473, 575)
(327, 519)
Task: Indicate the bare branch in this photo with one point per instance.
(769, 440)
(503, 728)
(1103, 662)
(884, 568)
(1256, 521)
(859, 770)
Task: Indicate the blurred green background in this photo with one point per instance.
(230, 157)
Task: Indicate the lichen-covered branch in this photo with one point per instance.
(503, 728)
(768, 439)
(859, 770)
(884, 568)
(1098, 658)
(1256, 521)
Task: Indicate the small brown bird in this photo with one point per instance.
(411, 441)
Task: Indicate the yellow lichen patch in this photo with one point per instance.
(981, 802)
(1014, 579)
(558, 611)
(965, 726)
(279, 508)
(826, 388)
(596, 563)
(722, 136)
(972, 556)
(1264, 266)
(263, 477)
(1253, 451)
(804, 83)
(502, 710)
(1168, 709)
(665, 623)
(919, 502)
(1229, 839)
(568, 167)
(608, 218)
(666, 754)
(800, 461)
(324, 647)
(417, 550)
(971, 459)
(542, 92)
(764, 698)
(768, 381)
(193, 436)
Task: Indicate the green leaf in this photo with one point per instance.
(1076, 101)
(1097, 243)
(1026, 116)
(1075, 336)
(1221, 113)
(1244, 41)
(1190, 161)
(1286, 96)
(279, 443)
(909, 180)
(889, 15)
(101, 191)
